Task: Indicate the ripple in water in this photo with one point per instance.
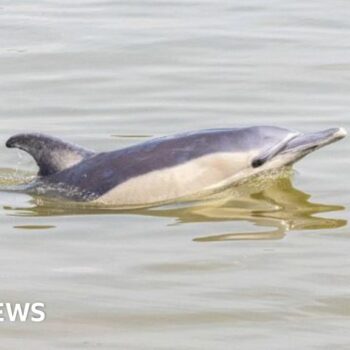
(269, 201)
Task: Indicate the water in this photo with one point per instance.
(267, 269)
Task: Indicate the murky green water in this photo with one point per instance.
(264, 267)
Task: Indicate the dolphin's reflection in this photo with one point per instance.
(280, 207)
(275, 205)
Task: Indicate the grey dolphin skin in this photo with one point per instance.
(166, 168)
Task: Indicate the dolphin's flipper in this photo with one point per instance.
(271, 152)
(51, 154)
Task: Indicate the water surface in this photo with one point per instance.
(263, 267)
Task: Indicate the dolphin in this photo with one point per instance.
(164, 169)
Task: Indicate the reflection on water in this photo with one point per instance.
(272, 203)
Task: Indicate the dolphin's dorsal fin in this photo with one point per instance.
(51, 154)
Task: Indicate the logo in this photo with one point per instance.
(12, 312)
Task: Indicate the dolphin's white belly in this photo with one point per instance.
(182, 180)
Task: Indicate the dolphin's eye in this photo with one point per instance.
(257, 162)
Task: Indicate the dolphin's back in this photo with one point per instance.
(105, 171)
